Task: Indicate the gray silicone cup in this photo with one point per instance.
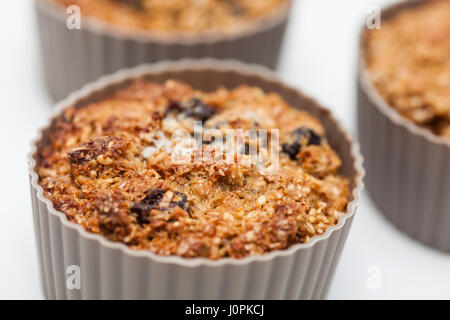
(408, 167)
(112, 270)
(72, 58)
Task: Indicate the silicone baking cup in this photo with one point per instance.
(112, 270)
(72, 58)
(408, 171)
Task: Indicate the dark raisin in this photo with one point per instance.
(199, 110)
(194, 108)
(152, 200)
(313, 138)
(291, 149)
(173, 107)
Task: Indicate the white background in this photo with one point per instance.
(319, 56)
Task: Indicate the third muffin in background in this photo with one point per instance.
(409, 63)
(404, 117)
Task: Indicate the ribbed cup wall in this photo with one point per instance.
(408, 176)
(109, 274)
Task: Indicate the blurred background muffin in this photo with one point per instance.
(115, 34)
(177, 15)
(404, 117)
(409, 63)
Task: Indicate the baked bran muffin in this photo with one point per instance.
(176, 15)
(409, 63)
(110, 167)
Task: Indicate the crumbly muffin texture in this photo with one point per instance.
(109, 167)
(176, 15)
(409, 63)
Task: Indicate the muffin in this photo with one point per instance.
(114, 34)
(258, 193)
(110, 167)
(413, 74)
(404, 117)
(185, 16)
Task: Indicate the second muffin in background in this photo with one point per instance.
(115, 34)
(183, 16)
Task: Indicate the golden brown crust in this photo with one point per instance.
(409, 63)
(176, 15)
(109, 167)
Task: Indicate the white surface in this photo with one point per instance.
(319, 57)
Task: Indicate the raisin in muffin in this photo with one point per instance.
(409, 63)
(110, 167)
(176, 15)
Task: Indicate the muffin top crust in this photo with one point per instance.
(259, 175)
(176, 15)
(409, 63)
